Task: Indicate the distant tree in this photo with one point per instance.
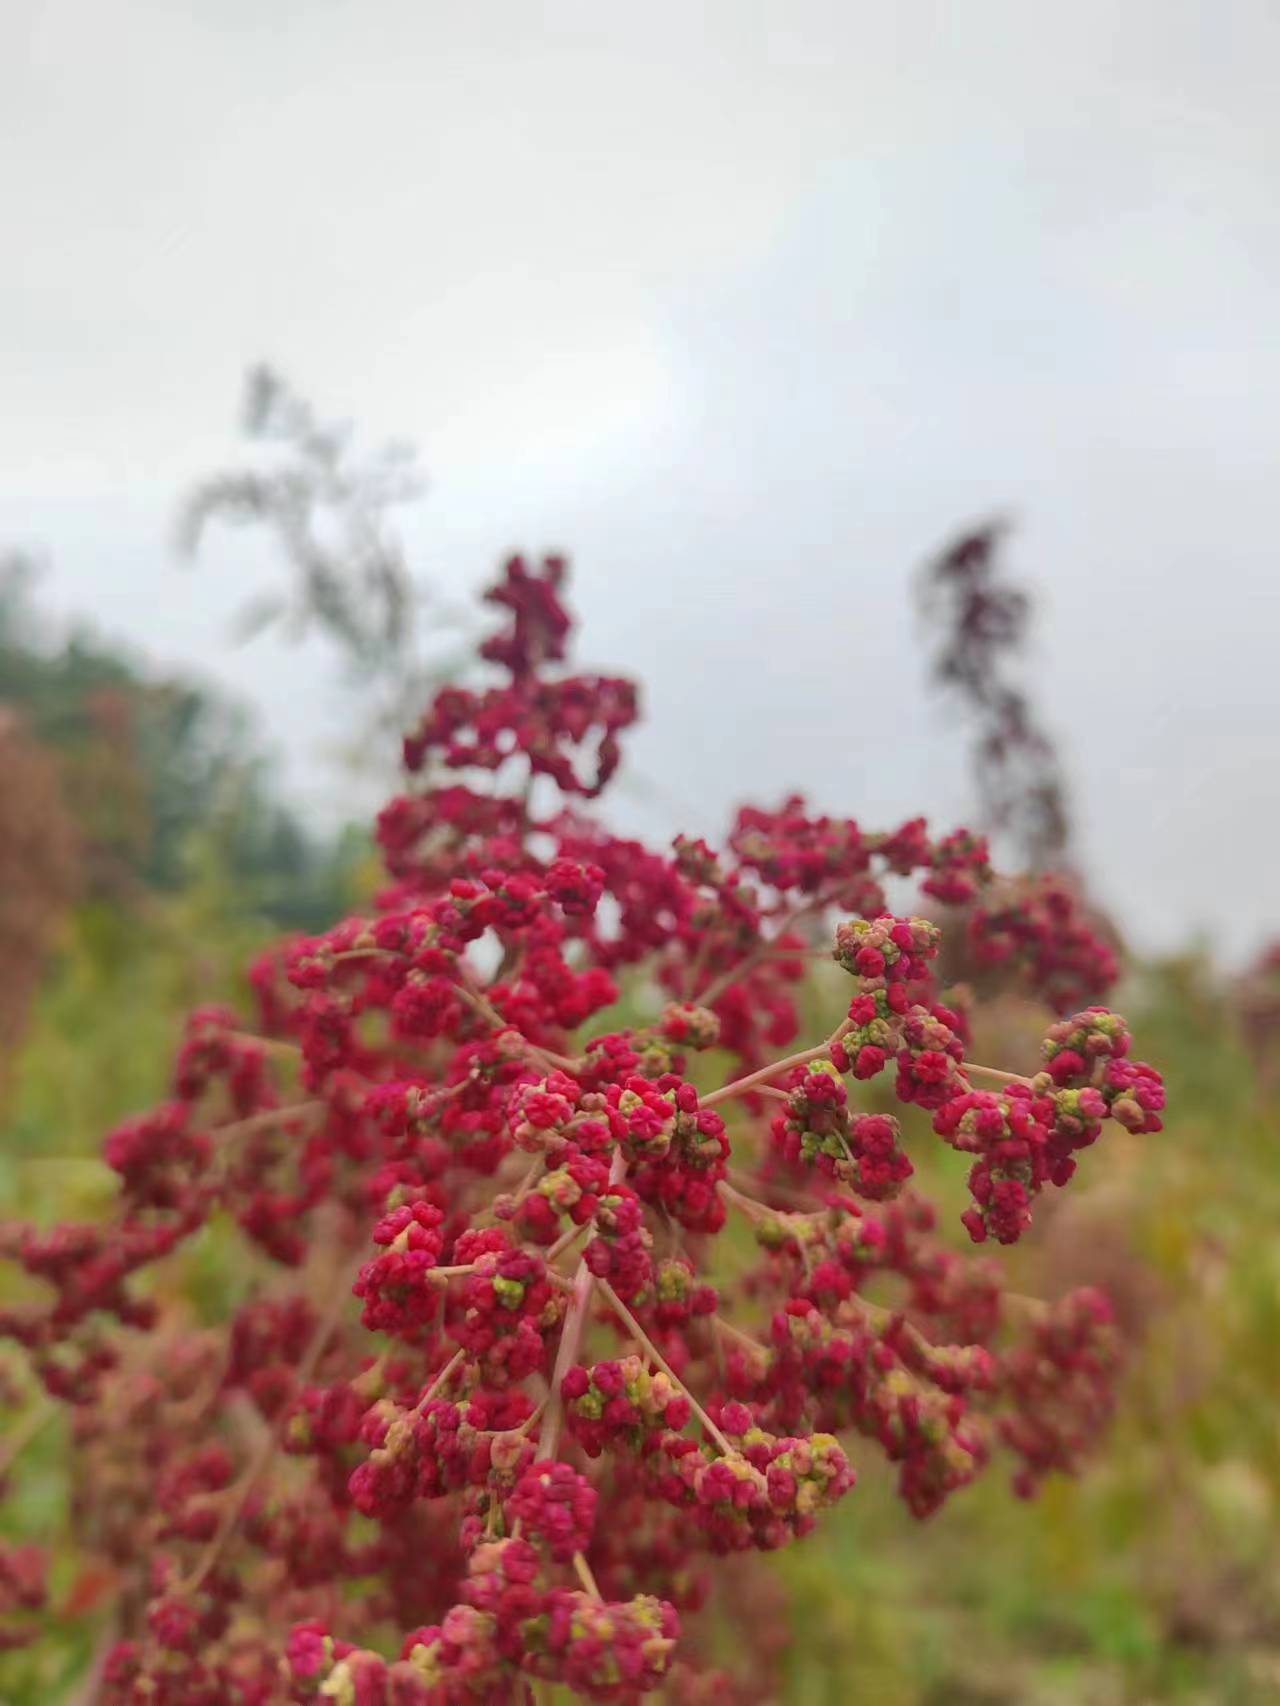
(147, 765)
(38, 870)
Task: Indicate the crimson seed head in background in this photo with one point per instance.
(556, 1410)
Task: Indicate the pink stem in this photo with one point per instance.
(740, 1086)
(575, 1321)
(994, 1072)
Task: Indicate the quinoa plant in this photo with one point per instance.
(500, 1377)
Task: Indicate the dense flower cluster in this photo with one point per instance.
(550, 1402)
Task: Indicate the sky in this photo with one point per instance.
(748, 308)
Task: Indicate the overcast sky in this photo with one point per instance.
(746, 306)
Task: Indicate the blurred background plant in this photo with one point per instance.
(143, 857)
(327, 510)
(977, 619)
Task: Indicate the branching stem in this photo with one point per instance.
(269, 1117)
(583, 1571)
(575, 1321)
(262, 1457)
(741, 1086)
(994, 1072)
(655, 1355)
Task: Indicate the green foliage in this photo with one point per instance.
(151, 765)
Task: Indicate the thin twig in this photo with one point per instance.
(753, 1208)
(583, 1572)
(269, 1045)
(994, 1072)
(741, 1086)
(733, 1332)
(524, 1185)
(747, 1186)
(534, 1415)
(262, 1457)
(267, 1118)
(438, 1384)
(716, 988)
(479, 1002)
(527, 1181)
(1035, 1306)
(655, 1355)
(563, 1242)
(575, 1320)
(696, 966)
